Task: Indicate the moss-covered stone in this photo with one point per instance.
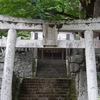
(34, 68)
(73, 90)
(16, 84)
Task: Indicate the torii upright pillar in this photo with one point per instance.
(6, 89)
(91, 66)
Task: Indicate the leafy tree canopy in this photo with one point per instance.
(49, 9)
(40, 9)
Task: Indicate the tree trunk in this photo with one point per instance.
(96, 8)
(96, 13)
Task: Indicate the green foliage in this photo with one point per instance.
(16, 8)
(42, 9)
(23, 34)
(99, 98)
(3, 33)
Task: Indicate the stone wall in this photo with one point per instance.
(22, 68)
(16, 84)
(81, 86)
(78, 69)
(23, 64)
(2, 55)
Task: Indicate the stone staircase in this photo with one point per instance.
(51, 69)
(46, 89)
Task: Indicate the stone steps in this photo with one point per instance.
(51, 69)
(45, 89)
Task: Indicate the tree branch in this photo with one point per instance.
(82, 3)
(55, 12)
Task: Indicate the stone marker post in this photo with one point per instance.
(67, 56)
(50, 35)
(6, 89)
(91, 66)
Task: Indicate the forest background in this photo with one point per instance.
(49, 10)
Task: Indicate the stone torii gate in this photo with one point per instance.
(50, 30)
